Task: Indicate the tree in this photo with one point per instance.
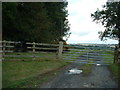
(58, 13)
(109, 16)
(9, 13)
(38, 22)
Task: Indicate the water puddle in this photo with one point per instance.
(98, 64)
(74, 71)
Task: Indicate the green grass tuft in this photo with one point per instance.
(87, 68)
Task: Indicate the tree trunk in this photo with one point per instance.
(119, 43)
(119, 49)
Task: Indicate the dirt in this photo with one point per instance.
(100, 77)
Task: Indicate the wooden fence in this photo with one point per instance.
(9, 47)
(34, 50)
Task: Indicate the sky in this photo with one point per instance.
(82, 27)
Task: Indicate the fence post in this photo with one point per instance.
(60, 50)
(87, 56)
(33, 46)
(33, 50)
(3, 50)
(4, 46)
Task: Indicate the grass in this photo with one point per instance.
(87, 68)
(30, 55)
(115, 69)
(28, 73)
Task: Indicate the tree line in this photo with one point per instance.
(42, 22)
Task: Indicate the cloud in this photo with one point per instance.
(82, 27)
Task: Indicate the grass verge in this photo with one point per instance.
(115, 69)
(87, 68)
(28, 74)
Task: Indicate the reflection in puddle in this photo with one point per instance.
(98, 64)
(74, 71)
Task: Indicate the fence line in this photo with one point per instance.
(44, 44)
(59, 50)
(9, 46)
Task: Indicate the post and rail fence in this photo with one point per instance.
(81, 54)
(10, 47)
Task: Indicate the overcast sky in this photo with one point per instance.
(82, 28)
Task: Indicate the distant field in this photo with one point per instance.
(73, 54)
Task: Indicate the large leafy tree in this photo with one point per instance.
(58, 13)
(9, 16)
(39, 22)
(109, 16)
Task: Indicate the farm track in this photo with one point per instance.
(100, 77)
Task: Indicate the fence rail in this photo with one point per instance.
(35, 51)
(10, 47)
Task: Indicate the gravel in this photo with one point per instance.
(100, 77)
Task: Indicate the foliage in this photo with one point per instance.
(38, 22)
(109, 16)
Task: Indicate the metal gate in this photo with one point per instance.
(97, 54)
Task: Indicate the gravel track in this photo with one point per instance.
(100, 77)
